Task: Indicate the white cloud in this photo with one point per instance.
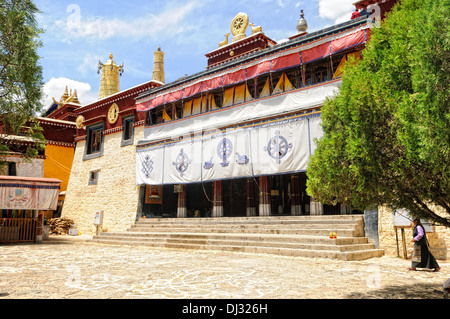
(55, 87)
(76, 26)
(336, 10)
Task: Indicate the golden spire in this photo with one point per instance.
(109, 81)
(75, 97)
(65, 95)
(158, 67)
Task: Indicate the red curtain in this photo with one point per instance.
(212, 83)
(234, 77)
(174, 96)
(258, 69)
(142, 107)
(317, 52)
(286, 61)
(192, 90)
(348, 41)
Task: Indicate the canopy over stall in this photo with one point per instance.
(26, 193)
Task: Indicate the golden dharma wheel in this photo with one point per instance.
(79, 121)
(239, 25)
(113, 113)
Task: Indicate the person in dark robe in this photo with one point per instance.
(422, 257)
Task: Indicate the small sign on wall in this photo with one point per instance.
(98, 221)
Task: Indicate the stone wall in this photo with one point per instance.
(439, 239)
(32, 168)
(115, 193)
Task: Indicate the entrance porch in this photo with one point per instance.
(274, 195)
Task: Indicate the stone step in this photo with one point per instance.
(343, 232)
(312, 253)
(310, 225)
(242, 237)
(256, 219)
(208, 239)
(306, 236)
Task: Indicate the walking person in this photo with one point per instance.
(422, 257)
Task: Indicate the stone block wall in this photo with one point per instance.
(115, 192)
(32, 168)
(439, 239)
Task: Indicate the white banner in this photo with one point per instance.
(315, 131)
(226, 155)
(149, 166)
(182, 162)
(28, 195)
(261, 149)
(280, 148)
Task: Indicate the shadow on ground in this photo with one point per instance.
(416, 291)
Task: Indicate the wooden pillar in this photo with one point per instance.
(304, 75)
(218, 204)
(251, 209)
(40, 227)
(296, 205)
(264, 196)
(182, 209)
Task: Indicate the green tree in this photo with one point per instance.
(20, 74)
(387, 133)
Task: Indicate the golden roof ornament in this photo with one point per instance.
(224, 42)
(239, 25)
(158, 66)
(256, 29)
(302, 25)
(65, 95)
(110, 77)
(79, 122)
(67, 98)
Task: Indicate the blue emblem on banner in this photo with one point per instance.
(209, 164)
(278, 147)
(242, 159)
(182, 162)
(224, 150)
(147, 166)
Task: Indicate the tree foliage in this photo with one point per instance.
(20, 72)
(387, 133)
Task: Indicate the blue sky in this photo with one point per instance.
(80, 33)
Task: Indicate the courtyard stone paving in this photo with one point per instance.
(78, 269)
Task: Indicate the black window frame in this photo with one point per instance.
(93, 177)
(127, 128)
(90, 130)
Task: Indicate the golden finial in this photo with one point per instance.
(158, 66)
(65, 95)
(75, 97)
(109, 81)
(302, 25)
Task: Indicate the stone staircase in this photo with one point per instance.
(305, 236)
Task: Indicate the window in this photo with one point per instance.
(12, 171)
(93, 177)
(94, 141)
(128, 130)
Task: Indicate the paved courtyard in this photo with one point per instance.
(76, 269)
